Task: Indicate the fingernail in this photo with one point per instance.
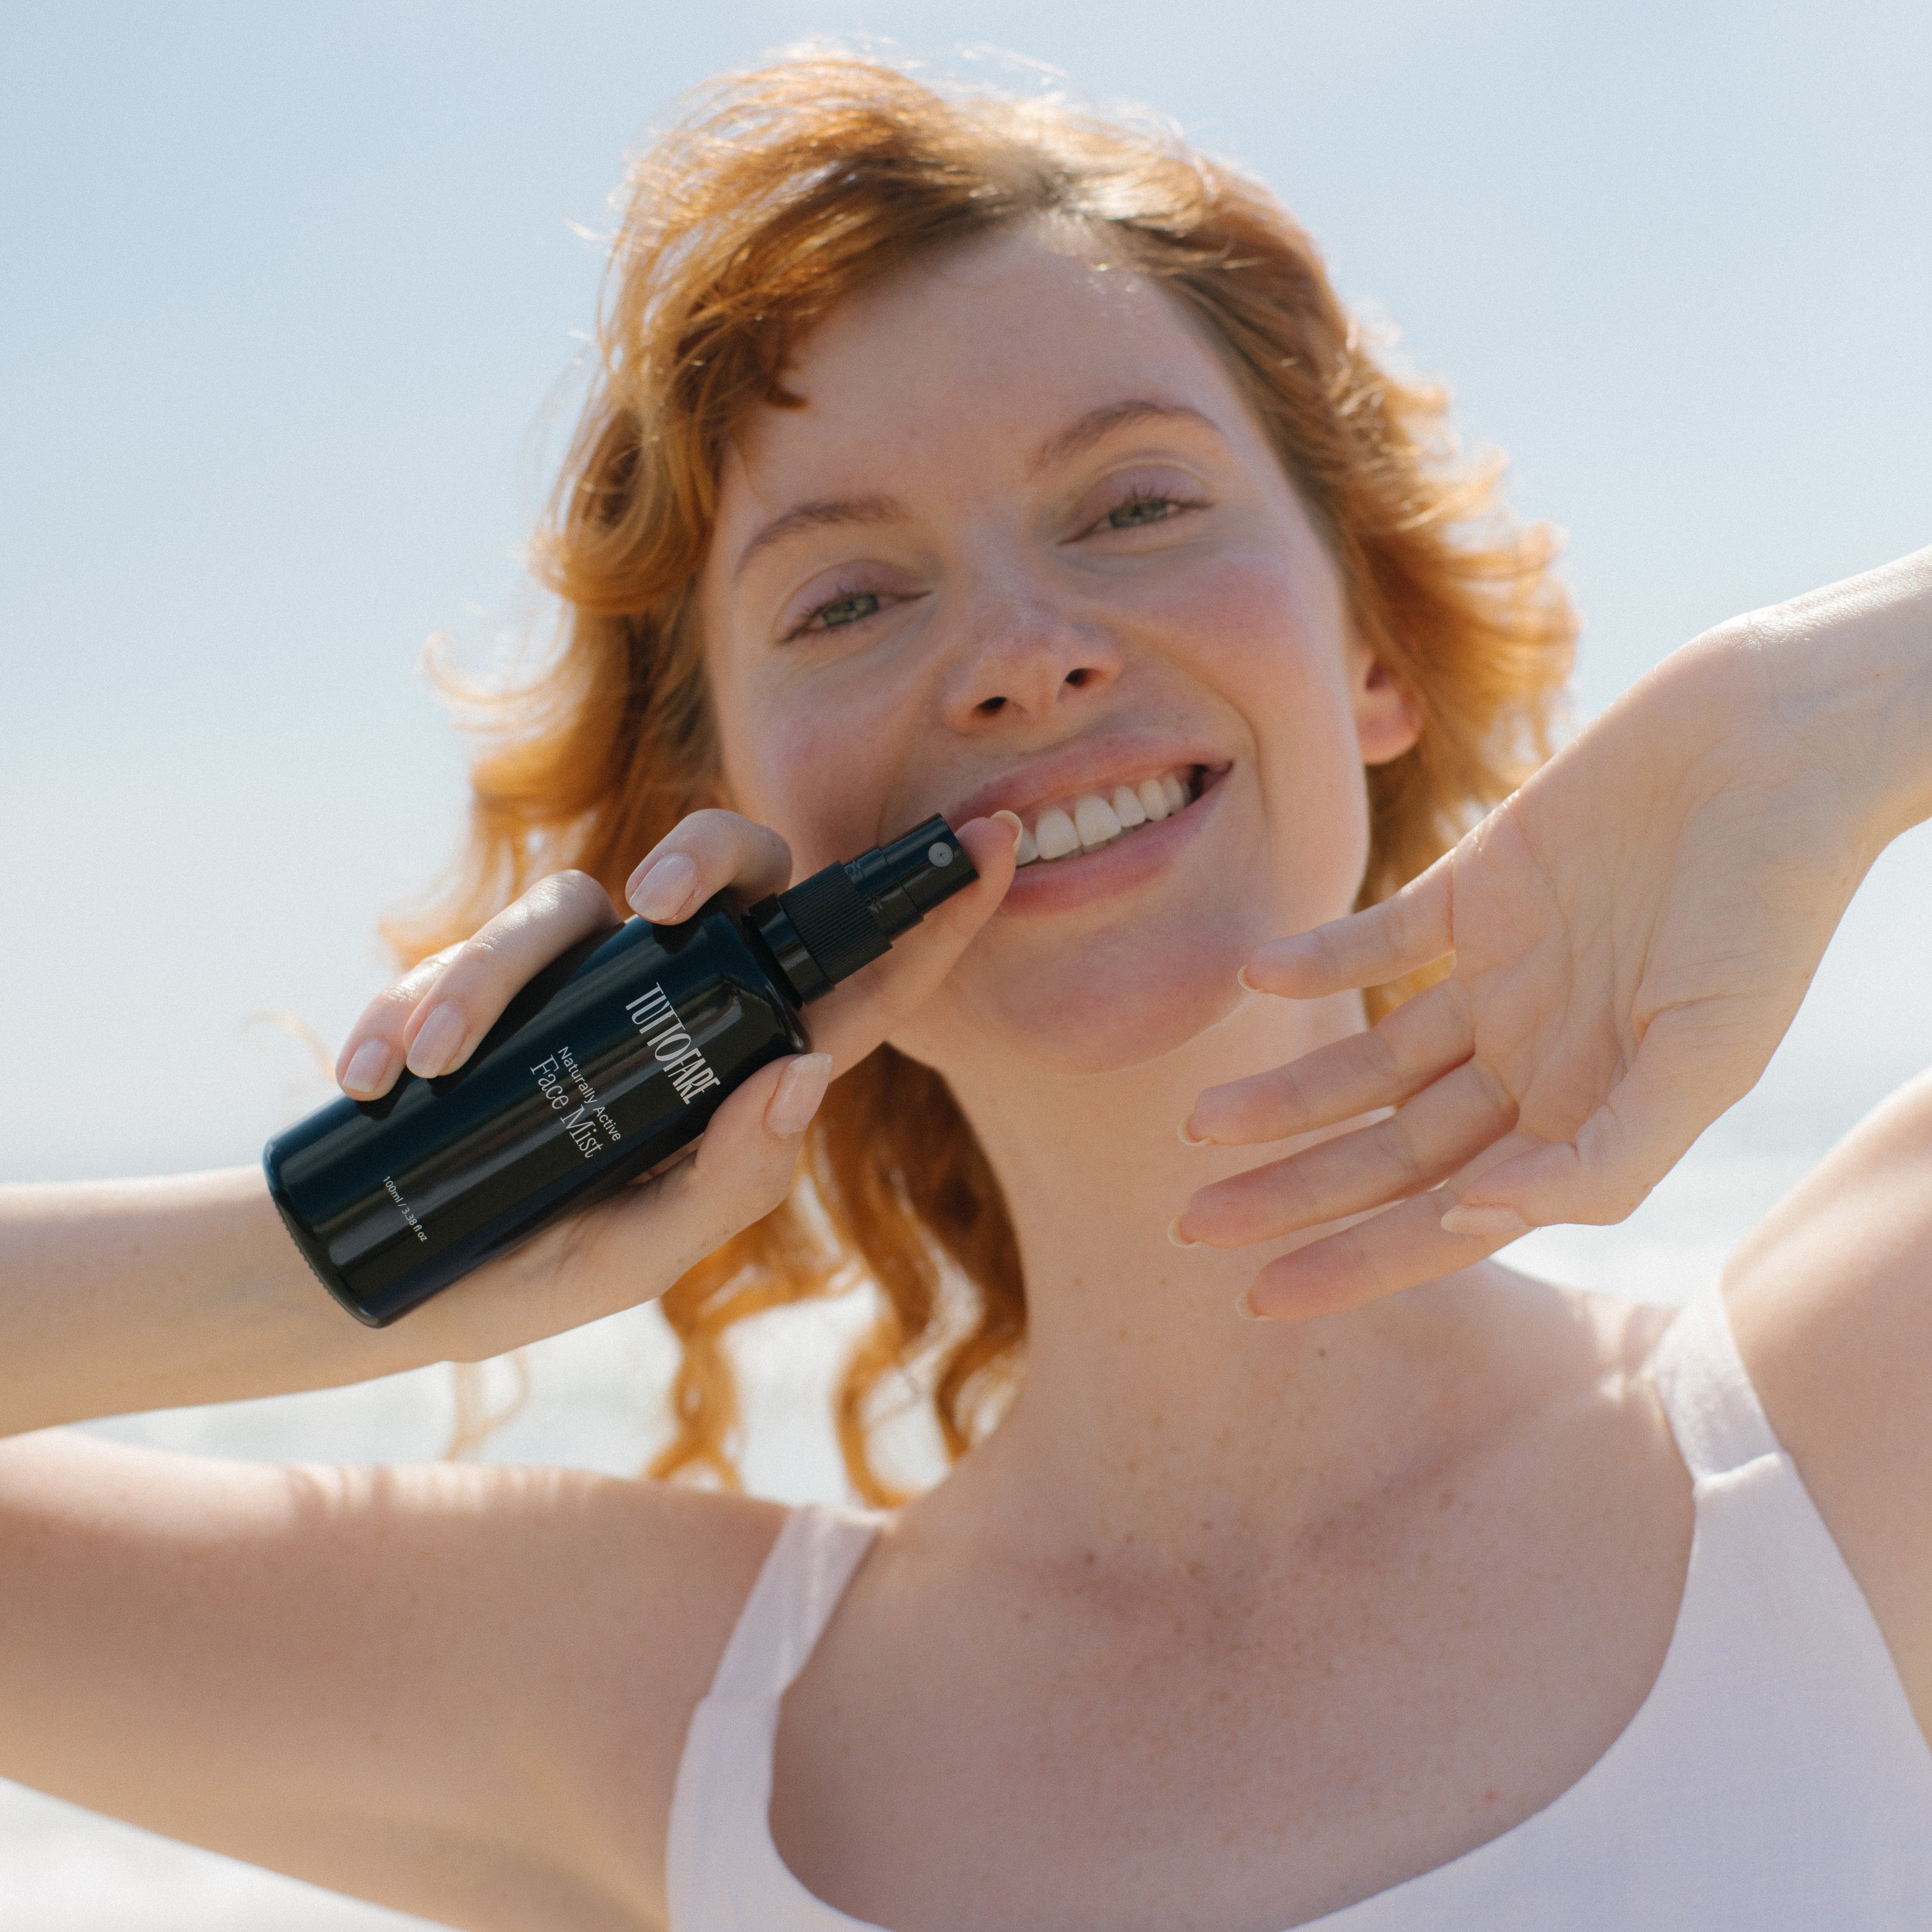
(438, 1042)
(1244, 1305)
(1187, 1139)
(800, 1088)
(1242, 976)
(665, 892)
(1011, 818)
(1485, 1224)
(368, 1067)
(1174, 1234)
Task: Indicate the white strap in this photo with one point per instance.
(804, 1576)
(1715, 1412)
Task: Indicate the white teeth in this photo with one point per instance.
(1054, 835)
(1093, 819)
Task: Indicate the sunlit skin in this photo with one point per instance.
(990, 636)
(1018, 646)
(975, 640)
(1230, 1622)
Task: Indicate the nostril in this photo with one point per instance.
(1078, 676)
(988, 707)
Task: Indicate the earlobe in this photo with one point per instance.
(1388, 722)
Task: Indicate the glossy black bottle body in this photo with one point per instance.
(607, 1064)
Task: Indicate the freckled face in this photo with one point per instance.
(1025, 539)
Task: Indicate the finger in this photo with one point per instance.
(1681, 1080)
(740, 1170)
(1401, 1247)
(631, 1247)
(1415, 1044)
(1367, 949)
(703, 854)
(486, 970)
(372, 1055)
(1434, 1135)
(853, 1019)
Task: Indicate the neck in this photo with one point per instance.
(1152, 1413)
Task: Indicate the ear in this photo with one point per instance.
(1387, 721)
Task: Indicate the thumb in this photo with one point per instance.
(854, 1018)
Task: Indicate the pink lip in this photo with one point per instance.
(1093, 765)
(1082, 879)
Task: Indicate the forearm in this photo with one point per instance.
(1852, 664)
(119, 1296)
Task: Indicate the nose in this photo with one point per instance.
(1023, 659)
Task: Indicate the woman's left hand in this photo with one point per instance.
(1631, 934)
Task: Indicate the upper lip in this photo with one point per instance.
(1092, 765)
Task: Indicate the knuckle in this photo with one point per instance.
(395, 1003)
(399, 996)
(1381, 1059)
(1292, 1100)
(1396, 1145)
(479, 955)
(709, 837)
(1332, 968)
(1293, 1190)
(567, 891)
(1495, 1096)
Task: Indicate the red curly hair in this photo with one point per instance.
(784, 190)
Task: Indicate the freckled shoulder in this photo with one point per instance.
(631, 1590)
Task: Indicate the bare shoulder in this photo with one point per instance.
(406, 1684)
(1831, 1302)
(1576, 1344)
(633, 1588)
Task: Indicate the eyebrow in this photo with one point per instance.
(823, 514)
(1078, 436)
(1097, 425)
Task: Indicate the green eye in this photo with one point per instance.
(1140, 510)
(843, 610)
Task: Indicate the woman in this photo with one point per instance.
(978, 459)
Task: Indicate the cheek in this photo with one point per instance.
(802, 755)
(1268, 637)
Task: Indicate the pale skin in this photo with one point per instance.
(1230, 1622)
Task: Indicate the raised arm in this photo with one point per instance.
(121, 1296)
(1628, 937)
(461, 1691)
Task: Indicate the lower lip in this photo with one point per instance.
(1063, 885)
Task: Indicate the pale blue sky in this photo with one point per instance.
(288, 289)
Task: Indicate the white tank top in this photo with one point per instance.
(1773, 1780)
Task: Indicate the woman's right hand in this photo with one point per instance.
(633, 1247)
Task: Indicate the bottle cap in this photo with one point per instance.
(825, 928)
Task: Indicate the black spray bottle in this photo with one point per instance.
(608, 1062)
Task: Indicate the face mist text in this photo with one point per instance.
(581, 1126)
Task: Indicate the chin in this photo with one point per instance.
(1114, 1003)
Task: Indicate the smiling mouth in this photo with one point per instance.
(1067, 827)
